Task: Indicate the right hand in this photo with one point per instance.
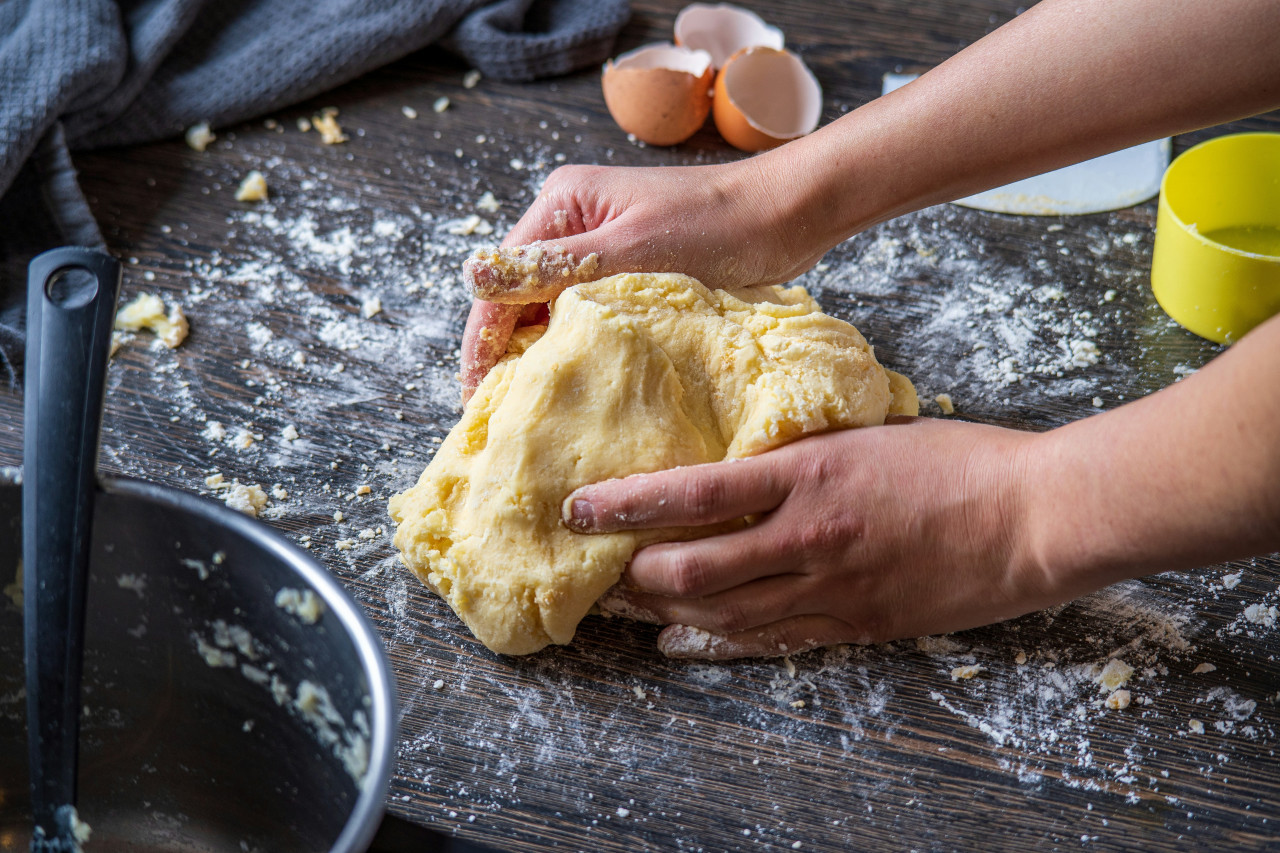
(729, 226)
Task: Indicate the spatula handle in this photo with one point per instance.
(71, 299)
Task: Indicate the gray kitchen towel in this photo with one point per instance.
(83, 74)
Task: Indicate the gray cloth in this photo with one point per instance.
(82, 74)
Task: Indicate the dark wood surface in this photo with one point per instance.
(605, 745)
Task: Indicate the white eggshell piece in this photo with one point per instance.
(775, 91)
(667, 56)
(723, 29)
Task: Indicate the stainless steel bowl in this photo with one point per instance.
(214, 718)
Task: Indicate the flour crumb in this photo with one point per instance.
(639, 692)
(1232, 580)
(1203, 667)
(215, 431)
(1195, 727)
(371, 307)
(945, 404)
(1097, 402)
(488, 203)
(199, 137)
(338, 516)
(1260, 614)
(137, 583)
(623, 812)
(966, 672)
(1109, 296)
(304, 124)
(440, 105)
(1118, 700)
(470, 79)
(1114, 675)
(409, 112)
(438, 684)
(289, 433)
(253, 187)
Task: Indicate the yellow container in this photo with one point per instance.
(1216, 264)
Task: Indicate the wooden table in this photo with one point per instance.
(605, 745)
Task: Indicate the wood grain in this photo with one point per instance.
(605, 745)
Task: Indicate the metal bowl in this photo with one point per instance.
(215, 719)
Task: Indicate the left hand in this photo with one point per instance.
(867, 535)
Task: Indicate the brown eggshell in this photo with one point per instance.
(765, 97)
(723, 29)
(659, 93)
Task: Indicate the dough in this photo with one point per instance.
(635, 373)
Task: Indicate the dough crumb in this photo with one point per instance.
(345, 544)
(1232, 580)
(966, 672)
(199, 137)
(253, 187)
(1020, 658)
(304, 604)
(248, 499)
(798, 704)
(409, 112)
(438, 684)
(371, 307)
(440, 105)
(623, 812)
(1118, 700)
(364, 489)
(147, 311)
(338, 516)
(945, 404)
(304, 124)
(1114, 675)
(1195, 726)
(1202, 668)
(279, 492)
(470, 79)
(289, 433)
(472, 224)
(326, 124)
(1097, 402)
(488, 203)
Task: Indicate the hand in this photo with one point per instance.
(867, 535)
(727, 226)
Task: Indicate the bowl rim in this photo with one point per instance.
(1170, 173)
(362, 823)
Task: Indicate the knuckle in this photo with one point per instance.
(686, 573)
(730, 617)
(702, 495)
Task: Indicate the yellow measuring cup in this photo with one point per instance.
(1216, 263)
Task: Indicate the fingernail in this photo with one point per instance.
(579, 514)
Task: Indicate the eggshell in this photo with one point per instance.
(660, 93)
(723, 29)
(765, 97)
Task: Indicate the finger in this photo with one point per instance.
(620, 600)
(701, 567)
(680, 497)
(785, 637)
(518, 275)
(747, 605)
(484, 342)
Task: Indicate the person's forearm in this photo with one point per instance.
(1065, 81)
(1183, 478)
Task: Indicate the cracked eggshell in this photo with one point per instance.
(722, 30)
(765, 97)
(660, 93)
